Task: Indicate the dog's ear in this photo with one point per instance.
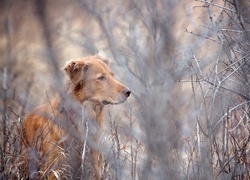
(103, 57)
(75, 66)
(76, 70)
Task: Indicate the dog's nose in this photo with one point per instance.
(126, 92)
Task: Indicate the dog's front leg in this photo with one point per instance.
(97, 163)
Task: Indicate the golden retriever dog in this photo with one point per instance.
(52, 132)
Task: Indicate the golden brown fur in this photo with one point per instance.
(50, 129)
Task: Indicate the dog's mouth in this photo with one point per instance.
(105, 102)
(109, 101)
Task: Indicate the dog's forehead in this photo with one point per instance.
(98, 66)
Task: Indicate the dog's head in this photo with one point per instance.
(90, 79)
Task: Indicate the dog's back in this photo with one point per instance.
(50, 137)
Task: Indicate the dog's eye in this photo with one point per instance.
(101, 78)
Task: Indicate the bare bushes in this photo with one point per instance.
(221, 93)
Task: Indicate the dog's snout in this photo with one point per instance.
(126, 92)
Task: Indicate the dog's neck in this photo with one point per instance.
(73, 109)
(94, 111)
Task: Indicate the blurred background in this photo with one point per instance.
(186, 62)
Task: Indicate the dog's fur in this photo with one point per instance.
(51, 130)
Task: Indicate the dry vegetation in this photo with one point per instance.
(187, 64)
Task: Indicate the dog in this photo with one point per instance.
(51, 131)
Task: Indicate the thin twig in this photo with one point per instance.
(216, 5)
(84, 119)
